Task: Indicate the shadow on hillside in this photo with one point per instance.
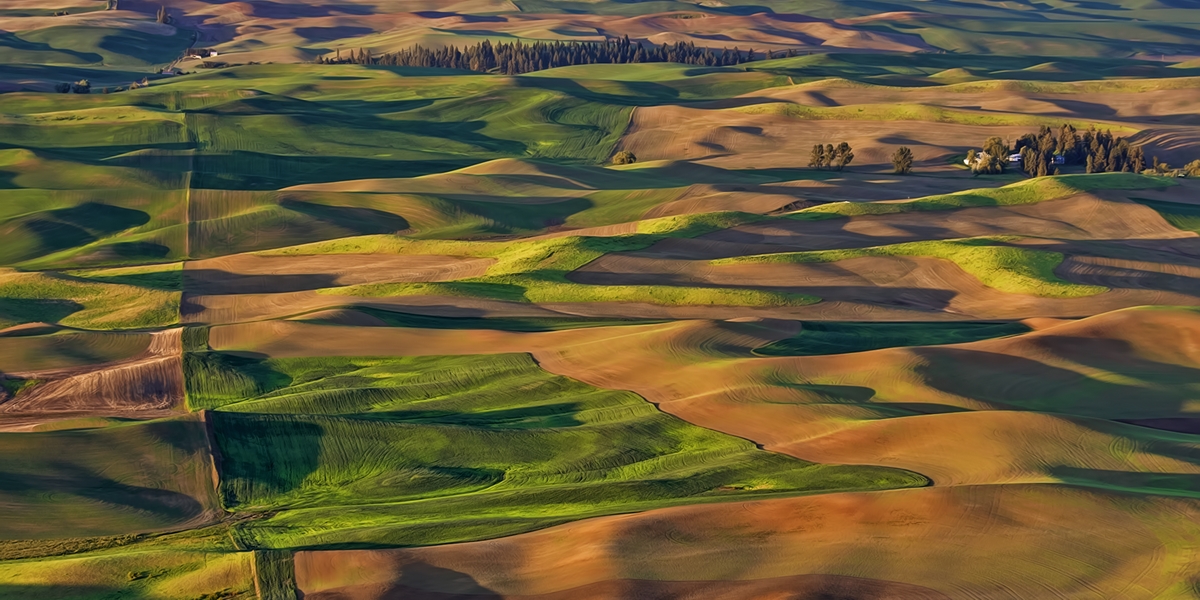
(11, 41)
(1173, 424)
(1168, 484)
(64, 483)
(415, 579)
(244, 170)
(215, 282)
(1155, 389)
(55, 230)
(329, 34)
(264, 455)
(30, 310)
(357, 219)
(185, 435)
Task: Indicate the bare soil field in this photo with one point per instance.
(146, 385)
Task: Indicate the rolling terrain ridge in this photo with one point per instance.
(272, 328)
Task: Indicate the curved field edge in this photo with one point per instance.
(1051, 535)
(387, 451)
(85, 301)
(1005, 268)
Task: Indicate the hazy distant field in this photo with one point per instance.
(277, 329)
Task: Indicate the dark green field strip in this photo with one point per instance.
(110, 481)
(832, 337)
(418, 450)
(275, 575)
(525, 324)
(1183, 216)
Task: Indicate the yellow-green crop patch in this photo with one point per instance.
(80, 302)
(1006, 268)
(134, 573)
(538, 270)
(421, 450)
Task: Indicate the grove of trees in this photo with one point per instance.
(82, 86)
(1098, 150)
(829, 156)
(516, 57)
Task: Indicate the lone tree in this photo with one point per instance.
(624, 157)
(902, 161)
(843, 155)
(112, 5)
(817, 159)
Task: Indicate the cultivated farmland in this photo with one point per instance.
(311, 300)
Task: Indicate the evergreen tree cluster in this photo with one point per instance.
(829, 156)
(1106, 154)
(82, 86)
(516, 57)
(1099, 150)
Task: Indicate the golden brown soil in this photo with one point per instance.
(979, 542)
(702, 372)
(720, 134)
(147, 385)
